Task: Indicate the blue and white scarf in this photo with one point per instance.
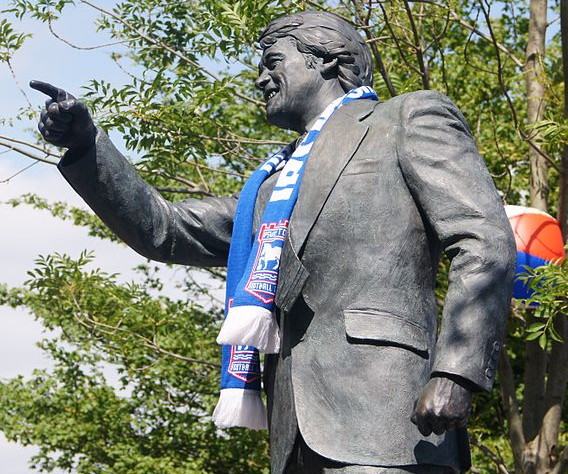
(252, 277)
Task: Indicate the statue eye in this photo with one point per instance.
(272, 62)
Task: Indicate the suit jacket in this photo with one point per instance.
(387, 187)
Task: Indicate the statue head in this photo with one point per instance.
(309, 59)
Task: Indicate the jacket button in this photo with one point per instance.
(489, 372)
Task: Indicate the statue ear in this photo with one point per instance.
(329, 68)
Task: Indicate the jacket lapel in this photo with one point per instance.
(332, 151)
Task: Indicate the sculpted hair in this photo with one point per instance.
(327, 36)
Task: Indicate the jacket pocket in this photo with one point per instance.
(371, 326)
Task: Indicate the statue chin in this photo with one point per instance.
(284, 121)
(276, 118)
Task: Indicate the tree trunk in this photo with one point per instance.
(550, 458)
(563, 191)
(535, 458)
(554, 399)
(534, 75)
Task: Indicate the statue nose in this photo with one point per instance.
(262, 80)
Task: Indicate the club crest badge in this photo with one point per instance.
(264, 277)
(244, 364)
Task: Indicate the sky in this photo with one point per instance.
(26, 233)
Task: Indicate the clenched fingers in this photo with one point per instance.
(55, 112)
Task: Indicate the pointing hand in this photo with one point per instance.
(65, 122)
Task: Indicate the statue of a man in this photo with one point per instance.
(363, 381)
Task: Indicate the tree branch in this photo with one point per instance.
(167, 47)
(536, 148)
(31, 145)
(9, 178)
(27, 153)
(190, 184)
(395, 38)
(111, 330)
(83, 48)
(215, 170)
(533, 400)
(15, 78)
(502, 156)
(491, 455)
(455, 16)
(562, 464)
(555, 387)
(563, 187)
(424, 75)
(375, 50)
(237, 139)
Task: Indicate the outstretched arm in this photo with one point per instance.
(194, 232)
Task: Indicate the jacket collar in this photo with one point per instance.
(335, 146)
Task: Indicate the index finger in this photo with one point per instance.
(54, 92)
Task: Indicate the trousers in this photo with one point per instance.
(304, 460)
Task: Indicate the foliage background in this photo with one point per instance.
(190, 117)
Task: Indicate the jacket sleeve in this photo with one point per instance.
(193, 232)
(458, 200)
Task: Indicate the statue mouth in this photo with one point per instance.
(270, 94)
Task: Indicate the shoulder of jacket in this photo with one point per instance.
(411, 104)
(416, 98)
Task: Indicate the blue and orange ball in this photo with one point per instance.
(539, 242)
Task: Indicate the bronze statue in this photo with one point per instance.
(388, 186)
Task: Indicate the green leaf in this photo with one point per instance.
(536, 327)
(542, 341)
(534, 335)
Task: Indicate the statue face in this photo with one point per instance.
(291, 89)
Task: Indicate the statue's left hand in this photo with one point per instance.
(443, 405)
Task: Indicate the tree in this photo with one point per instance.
(199, 130)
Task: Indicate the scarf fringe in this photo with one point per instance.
(238, 407)
(251, 326)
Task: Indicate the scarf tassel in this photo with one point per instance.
(251, 326)
(237, 407)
